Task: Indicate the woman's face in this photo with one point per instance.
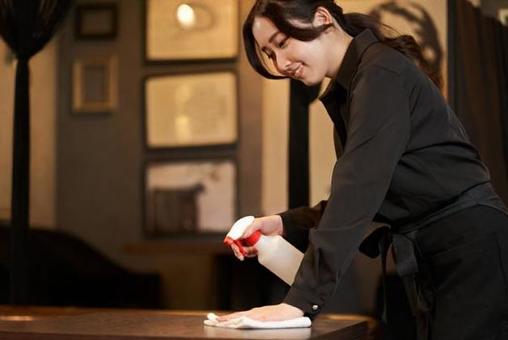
(300, 60)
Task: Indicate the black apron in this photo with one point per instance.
(415, 277)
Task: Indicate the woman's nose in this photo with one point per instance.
(282, 64)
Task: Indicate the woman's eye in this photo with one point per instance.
(269, 54)
(283, 42)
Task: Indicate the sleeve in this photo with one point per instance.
(377, 136)
(297, 222)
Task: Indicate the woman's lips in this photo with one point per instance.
(297, 71)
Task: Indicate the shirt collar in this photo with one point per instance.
(353, 55)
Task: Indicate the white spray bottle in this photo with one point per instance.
(274, 252)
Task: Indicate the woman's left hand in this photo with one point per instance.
(279, 312)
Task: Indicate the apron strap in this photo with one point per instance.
(420, 300)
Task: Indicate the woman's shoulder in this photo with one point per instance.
(379, 55)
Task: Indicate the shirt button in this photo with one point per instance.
(315, 307)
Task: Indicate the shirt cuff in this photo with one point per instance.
(293, 232)
(297, 217)
(309, 304)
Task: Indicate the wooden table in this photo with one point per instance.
(44, 323)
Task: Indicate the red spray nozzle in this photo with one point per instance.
(252, 239)
(244, 242)
(229, 241)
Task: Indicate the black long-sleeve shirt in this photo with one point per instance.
(404, 154)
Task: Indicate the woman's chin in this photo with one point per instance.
(309, 82)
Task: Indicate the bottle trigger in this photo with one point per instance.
(229, 241)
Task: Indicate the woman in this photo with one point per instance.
(406, 161)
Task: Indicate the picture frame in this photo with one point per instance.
(190, 110)
(503, 16)
(95, 88)
(189, 196)
(193, 31)
(96, 21)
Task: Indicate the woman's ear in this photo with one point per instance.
(322, 17)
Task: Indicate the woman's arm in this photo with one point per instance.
(297, 222)
(377, 136)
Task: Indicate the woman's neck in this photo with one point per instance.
(339, 43)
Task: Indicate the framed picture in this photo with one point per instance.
(193, 30)
(185, 110)
(96, 21)
(503, 16)
(94, 85)
(189, 197)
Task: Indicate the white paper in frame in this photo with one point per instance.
(503, 16)
(211, 207)
(191, 110)
(196, 29)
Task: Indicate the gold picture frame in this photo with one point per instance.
(96, 21)
(95, 85)
(190, 110)
(193, 30)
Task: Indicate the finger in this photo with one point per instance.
(257, 316)
(237, 252)
(227, 317)
(256, 225)
(250, 251)
(239, 249)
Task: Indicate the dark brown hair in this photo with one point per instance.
(282, 12)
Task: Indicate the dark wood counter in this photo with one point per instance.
(45, 323)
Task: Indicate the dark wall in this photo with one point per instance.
(100, 158)
(490, 7)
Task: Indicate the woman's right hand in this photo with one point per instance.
(267, 225)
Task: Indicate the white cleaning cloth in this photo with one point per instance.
(244, 322)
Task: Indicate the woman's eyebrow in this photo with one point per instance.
(273, 36)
